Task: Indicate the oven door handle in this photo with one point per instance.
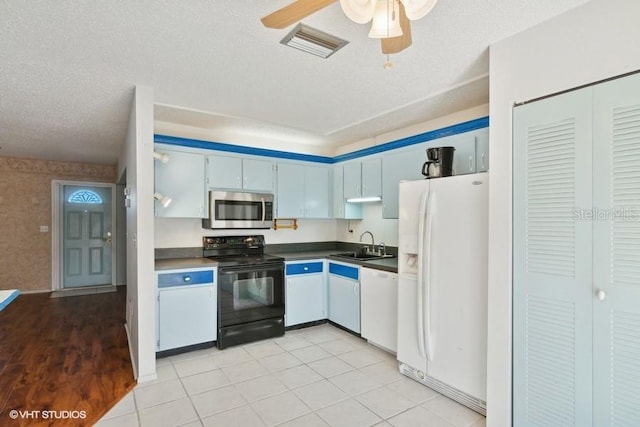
(251, 269)
(264, 209)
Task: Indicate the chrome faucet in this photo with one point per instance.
(373, 242)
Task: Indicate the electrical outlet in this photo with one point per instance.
(44, 228)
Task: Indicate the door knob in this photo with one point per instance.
(601, 295)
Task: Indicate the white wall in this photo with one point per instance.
(592, 42)
(383, 230)
(136, 162)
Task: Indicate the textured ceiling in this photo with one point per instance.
(68, 69)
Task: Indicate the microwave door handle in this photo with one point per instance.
(264, 209)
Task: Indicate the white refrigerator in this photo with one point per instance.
(442, 285)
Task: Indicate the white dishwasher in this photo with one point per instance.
(187, 308)
(379, 307)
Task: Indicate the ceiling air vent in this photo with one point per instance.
(313, 41)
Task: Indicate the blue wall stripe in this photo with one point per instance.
(456, 129)
(417, 139)
(240, 149)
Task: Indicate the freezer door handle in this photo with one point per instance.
(422, 215)
(431, 206)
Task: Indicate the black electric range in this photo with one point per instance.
(250, 288)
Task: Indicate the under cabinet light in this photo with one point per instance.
(364, 199)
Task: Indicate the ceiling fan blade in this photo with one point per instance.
(398, 44)
(294, 12)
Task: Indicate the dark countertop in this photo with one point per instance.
(385, 264)
(184, 263)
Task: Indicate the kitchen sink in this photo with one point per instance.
(363, 255)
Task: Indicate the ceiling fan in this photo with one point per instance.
(390, 17)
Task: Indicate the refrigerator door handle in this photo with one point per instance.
(422, 215)
(430, 210)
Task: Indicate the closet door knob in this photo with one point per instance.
(601, 295)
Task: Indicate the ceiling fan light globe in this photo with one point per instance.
(359, 11)
(386, 20)
(416, 9)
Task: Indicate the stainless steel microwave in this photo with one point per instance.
(233, 209)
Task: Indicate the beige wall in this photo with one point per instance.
(25, 205)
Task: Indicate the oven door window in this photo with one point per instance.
(252, 292)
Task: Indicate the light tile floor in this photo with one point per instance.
(318, 376)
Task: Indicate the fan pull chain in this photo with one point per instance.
(388, 64)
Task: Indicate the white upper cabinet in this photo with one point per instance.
(464, 158)
(290, 194)
(182, 179)
(482, 151)
(352, 180)
(316, 192)
(236, 173)
(303, 191)
(363, 178)
(372, 177)
(403, 165)
(342, 209)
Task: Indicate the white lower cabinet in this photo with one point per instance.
(344, 295)
(379, 307)
(186, 311)
(305, 292)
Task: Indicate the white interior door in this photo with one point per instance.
(86, 236)
(552, 268)
(616, 225)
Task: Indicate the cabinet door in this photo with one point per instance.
(616, 283)
(379, 307)
(316, 192)
(306, 294)
(182, 179)
(464, 158)
(257, 175)
(290, 191)
(342, 209)
(225, 172)
(344, 298)
(352, 180)
(552, 262)
(406, 164)
(372, 177)
(186, 316)
(338, 192)
(482, 151)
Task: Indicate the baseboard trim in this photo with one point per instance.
(133, 360)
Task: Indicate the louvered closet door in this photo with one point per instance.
(552, 333)
(616, 354)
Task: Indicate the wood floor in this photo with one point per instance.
(63, 354)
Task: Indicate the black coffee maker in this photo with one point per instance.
(439, 162)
